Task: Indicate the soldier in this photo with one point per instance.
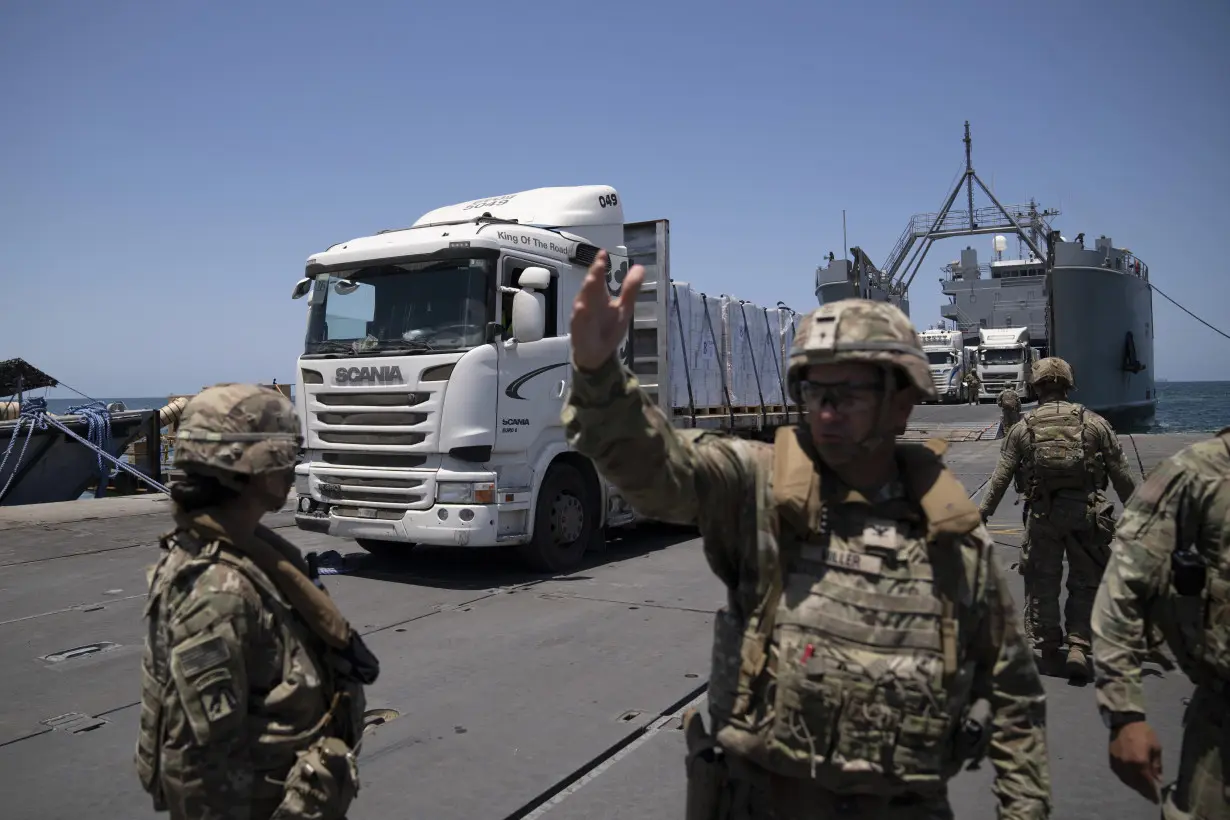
(973, 385)
(1168, 569)
(1010, 405)
(252, 682)
(866, 610)
(1068, 453)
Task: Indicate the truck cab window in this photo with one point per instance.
(513, 268)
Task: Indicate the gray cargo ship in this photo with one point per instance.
(1093, 307)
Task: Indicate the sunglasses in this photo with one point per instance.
(842, 397)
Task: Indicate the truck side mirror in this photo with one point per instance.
(529, 312)
(301, 289)
(534, 278)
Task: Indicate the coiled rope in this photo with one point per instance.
(35, 412)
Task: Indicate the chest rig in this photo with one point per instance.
(851, 669)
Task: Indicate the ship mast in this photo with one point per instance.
(906, 257)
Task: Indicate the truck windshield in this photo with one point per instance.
(941, 357)
(405, 306)
(1009, 355)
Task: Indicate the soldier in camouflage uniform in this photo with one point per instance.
(866, 610)
(973, 385)
(1068, 453)
(1170, 568)
(1010, 406)
(252, 682)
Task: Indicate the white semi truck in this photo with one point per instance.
(437, 361)
(1005, 359)
(945, 350)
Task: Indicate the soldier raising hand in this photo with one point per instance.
(868, 621)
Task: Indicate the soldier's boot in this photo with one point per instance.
(1077, 665)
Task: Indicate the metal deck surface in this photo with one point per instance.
(519, 695)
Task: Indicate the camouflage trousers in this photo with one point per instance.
(752, 794)
(1042, 561)
(1202, 789)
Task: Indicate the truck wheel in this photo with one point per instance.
(391, 550)
(564, 522)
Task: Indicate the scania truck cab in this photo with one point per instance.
(435, 366)
(945, 351)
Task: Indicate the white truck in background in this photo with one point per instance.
(945, 351)
(437, 360)
(1005, 359)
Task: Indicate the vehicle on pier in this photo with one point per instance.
(436, 364)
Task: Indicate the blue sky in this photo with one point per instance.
(168, 167)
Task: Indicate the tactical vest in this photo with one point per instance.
(1059, 458)
(304, 656)
(851, 669)
(1202, 640)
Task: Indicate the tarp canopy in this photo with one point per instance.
(16, 374)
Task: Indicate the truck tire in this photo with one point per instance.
(391, 550)
(565, 519)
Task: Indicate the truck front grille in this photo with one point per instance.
(371, 419)
(394, 493)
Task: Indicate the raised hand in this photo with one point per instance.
(598, 321)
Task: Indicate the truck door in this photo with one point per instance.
(533, 376)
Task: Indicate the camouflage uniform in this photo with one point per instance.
(1177, 521)
(973, 385)
(1010, 405)
(252, 699)
(858, 630)
(1072, 520)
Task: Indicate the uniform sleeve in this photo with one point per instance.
(1007, 677)
(1005, 469)
(207, 765)
(1117, 467)
(681, 477)
(1148, 533)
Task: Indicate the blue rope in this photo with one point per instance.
(98, 428)
(35, 412)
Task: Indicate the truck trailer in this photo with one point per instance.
(437, 361)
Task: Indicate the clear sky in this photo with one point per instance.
(166, 168)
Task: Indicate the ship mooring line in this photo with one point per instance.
(576, 781)
(1136, 450)
(1188, 312)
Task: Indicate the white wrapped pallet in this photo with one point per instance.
(750, 354)
(695, 331)
(756, 378)
(787, 327)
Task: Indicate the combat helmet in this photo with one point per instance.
(1055, 369)
(858, 330)
(235, 431)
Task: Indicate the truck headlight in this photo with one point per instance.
(465, 492)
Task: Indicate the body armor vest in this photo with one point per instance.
(282, 720)
(849, 669)
(1199, 609)
(1060, 457)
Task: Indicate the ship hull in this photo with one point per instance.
(1102, 325)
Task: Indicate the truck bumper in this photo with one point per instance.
(443, 525)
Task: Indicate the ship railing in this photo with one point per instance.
(1133, 265)
(955, 223)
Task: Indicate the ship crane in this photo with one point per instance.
(1026, 221)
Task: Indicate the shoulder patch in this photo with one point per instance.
(205, 655)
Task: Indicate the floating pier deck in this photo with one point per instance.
(510, 695)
